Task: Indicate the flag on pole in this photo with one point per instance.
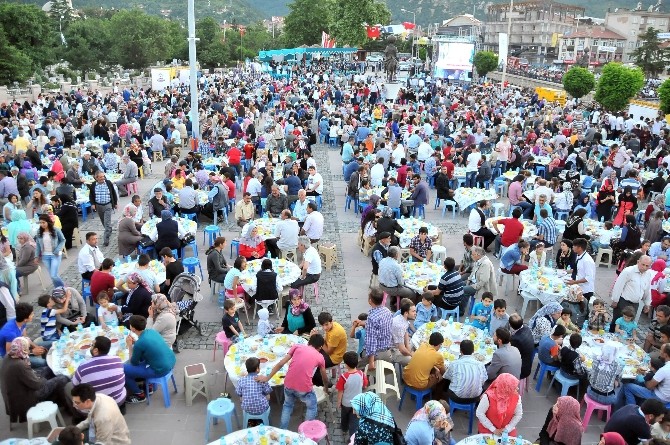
(408, 25)
(327, 41)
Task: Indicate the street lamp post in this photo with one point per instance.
(509, 32)
(413, 30)
(192, 61)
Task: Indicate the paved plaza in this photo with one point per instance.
(343, 293)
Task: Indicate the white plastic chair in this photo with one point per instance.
(381, 385)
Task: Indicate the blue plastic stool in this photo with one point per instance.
(560, 215)
(319, 202)
(452, 204)
(163, 382)
(543, 368)
(148, 250)
(444, 313)
(420, 209)
(236, 245)
(86, 291)
(511, 209)
(453, 406)
(231, 204)
(347, 204)
(220, 409)
(540, 168)
(361, 206)
(566, 383)
(332, 142)
(190, 216)
(419, 394)
(487, 184)
(175, 253)
(194, 247)
(225, 215)
(212, 231)
(84, 210)
(472, 305)
(190, 263)
(246, 417)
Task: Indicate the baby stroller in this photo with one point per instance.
(185, 292)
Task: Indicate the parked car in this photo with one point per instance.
(374, 57)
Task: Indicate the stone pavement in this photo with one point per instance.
(343, 293)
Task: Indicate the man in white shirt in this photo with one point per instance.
(377, 173)
(90, 256)
(300, 207)
(315, 182)
(584, 273)
(397, 154)
(632, 288)
(286, 235)
(472, 166)
(542, 189)
(175, 140)
(425, 150)
(254, 187)
(476, 223)
(313, 226)
(311, 264)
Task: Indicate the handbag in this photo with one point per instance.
(189, 238)
(398, 436)
(146, 241)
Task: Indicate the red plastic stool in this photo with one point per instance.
(478, 240)
(315, 430)
(592, 405)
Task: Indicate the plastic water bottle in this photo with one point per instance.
(467, 320)
(451, 320)
(80, 327)
(585, 328)
(91, 327)
(250, 437)
(519, 440)
(222, 298)
(267, 255)
(505, 438)
(486, 332)
(66, 332)
(551, 264)
(117, 262)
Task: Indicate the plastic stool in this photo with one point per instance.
(347, 204)
(234, 244)
(265, 417)
(190, 264)
(453, 406)
(223, 341)
(148, 250)
(289, 255)
(329, 253)
(566, 383)
(592, 405)
(419, 394)
(540, 169)
(452, 204)
(599, 257)
(315, 430)
(499, 209)
(543, 368)
(212, 231)
(478, 240)
(220, 409)
(133, 187)
(396, 213)
(86, 290)
(420, 209)
(43, 412)
(444, 314)
(195, 382)
(163, 382)
(190, 216)
(315, 289)
(84, 206)
(439, 253)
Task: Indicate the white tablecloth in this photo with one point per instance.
(121, 271)
(419, 275)
(453, 334)
(78, 348)
(461, 172)
(86, 179)
(546, 284)
(200, 194)
(529, 230)
(630, 356)
(270, 354)
(272, 434)
(266, 226)
(465, 197)
(411, 228)
(287, 273)
(477, 440)
(185, 225)
(21, 441)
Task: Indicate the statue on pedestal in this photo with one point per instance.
(391, 59)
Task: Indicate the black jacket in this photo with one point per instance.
(266, 288)
(524, 342)
(442, 186)
(68, 216)
(112, 193)
(138, 302)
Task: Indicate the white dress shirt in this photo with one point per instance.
(312, 257)
(586, 269)
(85, 260)
(314, 225)
(376, 175)
(474, 221)
(287, 232)
(633, 286)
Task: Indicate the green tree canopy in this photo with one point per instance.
(578, 81)
(664, 95)
(485, 62)
(617, 85)
(30, 31)
(649, 56)
(306, 21)
(349, 16)
(15, 66)
(88, 44)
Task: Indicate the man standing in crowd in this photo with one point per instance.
(104, 201)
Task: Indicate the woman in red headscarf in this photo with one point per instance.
(611, 439)
(606, 198)
(499, 408)
(658, 283)
(563, 424)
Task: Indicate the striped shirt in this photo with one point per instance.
(451, 286)
(105, 374)
(467, 375)
(633, 183)
(48, 324)
(547, 228)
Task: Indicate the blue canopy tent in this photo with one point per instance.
(291, 53)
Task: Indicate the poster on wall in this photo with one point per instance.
(160, 78)
(454, 60)
(503, 45)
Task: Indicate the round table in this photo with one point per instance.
(269, 350)
(594, 228)
(83, 195)
(666, 225)
(419, 275)
(213, 163)
(511, 174)
(465, 196)
(491, 439)
(541, 160)
(185, 225)
(453, 334)
(461, 172)
(23, 441)
(122, 270)
(111, 176)
(272, 436)
(201, 196)
(529, 229)
(287, 273)
(64, 358)
(378, 191)
(411, 228)
(631, 356)
(266, 226)
(544, 283)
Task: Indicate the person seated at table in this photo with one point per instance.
(217, 266)
(565, 257)
(599, 317)
(252, 246)
(388, 223)
(77, 310)
(129, 236)
(188, 199)
(566, 321)
(163, 318)
(150, 357)
(138, 299)
(426, 366)
(605, 377)
(431, 424)
(232, 283)
(563, 424)
(22, 387)
(169, 233)
(538, 257)
(542, 203)
(499, 408)
(420, 246)
(449, 291)
(477, 223)
(298, 317)
(48, 327)
(267, 285)
(255, 396)
(513, 231)
(103, 281)
(572, 362)
(574, 227)
(513, 258)
(544, 320)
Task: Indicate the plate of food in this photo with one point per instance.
(84, 345)
(267, 355)
(279, 350)
(479, 357)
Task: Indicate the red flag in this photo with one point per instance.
(373, 32)
(326, 40)
(408, 25)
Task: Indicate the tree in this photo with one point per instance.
(61, 8)
(15, 66)
(578, 81)
(649, 55)
(30, 31)
(664, 95)
(617, 85)
(306, 21)
(210, 49)
(485, 62)
(88, 43)
(348, 18)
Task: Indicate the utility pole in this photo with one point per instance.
(193, 73)
(509, 32)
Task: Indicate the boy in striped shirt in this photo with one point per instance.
(49, 329)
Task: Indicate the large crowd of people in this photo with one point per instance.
(263, 131)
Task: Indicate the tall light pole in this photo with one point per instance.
(509, 32)
(192, 61)
(414, 30)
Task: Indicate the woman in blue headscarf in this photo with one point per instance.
(376, 422)
(20, 223)
(543, 321)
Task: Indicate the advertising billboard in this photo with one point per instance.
(454, 60)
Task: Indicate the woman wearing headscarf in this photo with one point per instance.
(627, 206)
(563, 425)
(376, 424)
(574, 227)
(565, 257)
(605, 377)
(168, 232)
(606, 198)
(544, 320)
(500, 408)
(657, 205)
(23, 387)
(129, 236)
(298, 317)
(373, 202)
(252, 245)
(611, 438)
(630, 235)
(658, 281)
(25, 257)
(388, 223)
(138, 299)
(584, 202)
(422, 428)
(20, 223)
(48, 210)
(163, 318)
(69, 219)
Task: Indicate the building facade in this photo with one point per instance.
(596, 45)
(632, 24)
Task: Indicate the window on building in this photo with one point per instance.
(651, 21)
(635, 20)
